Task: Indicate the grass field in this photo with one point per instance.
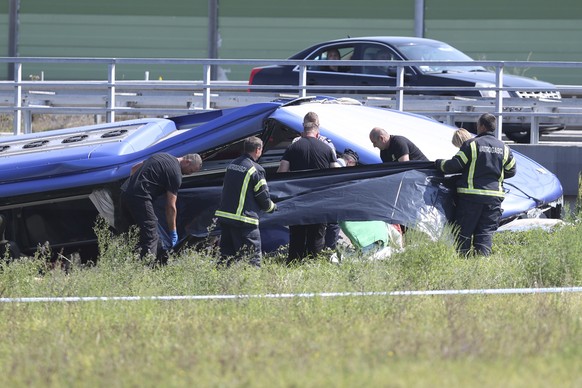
(365, 341)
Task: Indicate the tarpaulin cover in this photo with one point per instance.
(400, 195)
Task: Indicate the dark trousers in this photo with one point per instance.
(305, 240)
(476, 221)
(238, 242)
(331, 235)
(140, 212)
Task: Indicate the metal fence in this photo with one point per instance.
(109, 97)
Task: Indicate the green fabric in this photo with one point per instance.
(364, 233)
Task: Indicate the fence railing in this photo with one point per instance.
(22, 98)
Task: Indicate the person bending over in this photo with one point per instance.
(159, 175)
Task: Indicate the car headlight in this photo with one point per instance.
(483, 86)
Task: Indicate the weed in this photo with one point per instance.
(298, 341)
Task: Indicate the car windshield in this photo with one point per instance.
(436, 52)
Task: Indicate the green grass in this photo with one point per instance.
(462, 340)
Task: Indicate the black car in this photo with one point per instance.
(393, 49)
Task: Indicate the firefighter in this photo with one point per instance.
(244, 195)
(484, 162)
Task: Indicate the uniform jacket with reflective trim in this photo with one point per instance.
(244, 193)
(485, 162)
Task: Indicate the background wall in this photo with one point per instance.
(561, 159)
(535, 30)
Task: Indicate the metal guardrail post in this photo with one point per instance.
(534, 133)
(111, 100)
(499, 99)
(400, 85)
(302, 80)
(27, 118)
(206, 76)
(17, 117)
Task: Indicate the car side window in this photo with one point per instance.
(332, 53)
(383, 53)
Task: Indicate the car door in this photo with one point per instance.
(357, 79)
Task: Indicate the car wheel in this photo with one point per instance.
(518, 137)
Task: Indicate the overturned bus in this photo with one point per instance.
(55, 184)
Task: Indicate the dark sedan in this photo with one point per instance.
(392, 49)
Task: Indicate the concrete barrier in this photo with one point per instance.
(564, 160)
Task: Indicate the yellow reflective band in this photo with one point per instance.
(502, 175)
(471, 174)
(237, 217)
(442, 165)
(463, 157)
(510, 165)
(491, 193)
(259, 184)
(271, 206)
(243, 190)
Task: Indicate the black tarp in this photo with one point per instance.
(410, 194)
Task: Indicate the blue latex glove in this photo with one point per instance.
(174, 236)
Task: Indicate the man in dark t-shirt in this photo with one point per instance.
(308, 153)
(394, 148)
(161, 174)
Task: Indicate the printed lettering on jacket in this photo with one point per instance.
(237, 167)
(490, 149)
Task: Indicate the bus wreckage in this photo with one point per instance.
(56, 183)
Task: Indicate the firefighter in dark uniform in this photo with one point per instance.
(484, 162)
(244, 195)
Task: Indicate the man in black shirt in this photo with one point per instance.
(308, 153)
(394, 148)
(161, 174)
(331, 229)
